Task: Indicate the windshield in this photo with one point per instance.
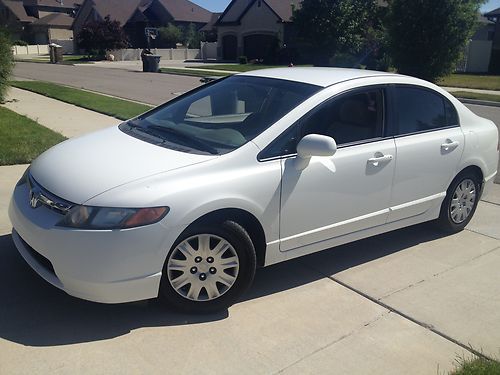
(220, 117)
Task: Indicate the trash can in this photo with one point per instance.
(151, 63)
(56, 53)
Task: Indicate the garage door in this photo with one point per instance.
(258, 46)
(229, 47)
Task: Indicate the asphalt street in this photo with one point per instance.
(151, 88)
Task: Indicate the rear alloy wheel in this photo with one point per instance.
(460, 203)
(208, 268)
(463, 201)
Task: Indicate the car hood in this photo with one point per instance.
(81, 168)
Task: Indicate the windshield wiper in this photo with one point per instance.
(135, 126)
(179, 134)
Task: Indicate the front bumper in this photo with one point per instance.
(111, 266)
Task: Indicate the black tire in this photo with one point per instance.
(241, 242)
(445, 221)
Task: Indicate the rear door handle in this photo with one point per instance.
(449, 145)
(376, 161)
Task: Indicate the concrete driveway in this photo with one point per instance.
(405, 302)
(410, 301)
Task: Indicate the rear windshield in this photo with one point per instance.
(220, 117)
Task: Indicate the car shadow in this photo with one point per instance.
(34, 313)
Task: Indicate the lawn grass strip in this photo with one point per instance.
(118, 108)
(22, 139)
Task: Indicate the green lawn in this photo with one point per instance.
(479, 366)
(231, 69)
(472, 81)
(119, 108)
(238, 68)
(67, 59)
(477, 96)
(22, 139)
(193, 72)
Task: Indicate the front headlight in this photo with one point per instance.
(87, 217)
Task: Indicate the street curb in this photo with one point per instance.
(479, 102)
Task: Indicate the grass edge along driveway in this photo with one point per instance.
(120, 108)
(471, 81)
(22, 139)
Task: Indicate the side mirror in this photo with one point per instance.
(314, 145)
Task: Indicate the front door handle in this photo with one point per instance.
(449, 145)
(377, 160)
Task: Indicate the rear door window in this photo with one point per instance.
(420, 110)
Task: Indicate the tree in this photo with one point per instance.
(192, 37)
(170, 36)
(6, 63)
(331, 27)
(426, 38)
(97, 37)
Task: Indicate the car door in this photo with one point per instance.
(429, 143)
(349, 191)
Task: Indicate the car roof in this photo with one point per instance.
(316, 76)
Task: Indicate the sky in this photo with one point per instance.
(220, 5)
(215, 5)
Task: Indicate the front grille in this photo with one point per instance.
(39, 257)
(38, 195)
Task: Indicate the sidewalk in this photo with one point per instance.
(453, 89)
(67, 119)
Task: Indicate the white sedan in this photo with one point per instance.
(186, 201)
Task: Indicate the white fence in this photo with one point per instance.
(43, 49)
(166, 54)
(37, 49)
(67, 45)
(208, 51)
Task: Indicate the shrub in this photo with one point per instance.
(426, 38)
(169, 36)
(243, 60)
(330, 27)
(97, 37)
(6, 63)
(20, 43)
(192, 37)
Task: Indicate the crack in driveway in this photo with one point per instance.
(425, 325)
(437, 274)
(343, 337)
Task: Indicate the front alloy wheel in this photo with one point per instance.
(208, 268)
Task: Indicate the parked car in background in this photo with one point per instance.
(187, 200)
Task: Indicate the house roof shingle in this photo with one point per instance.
(283, 8)
(493, 13)
(17, 8)
(119, 10)
(53, 3)
(124, 10)
(55, 19)
(186, 11)
(211, 25)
